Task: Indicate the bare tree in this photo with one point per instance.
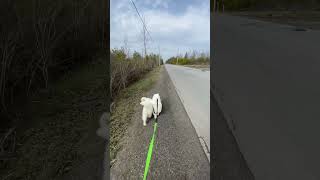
(47, 36)
(45, 33)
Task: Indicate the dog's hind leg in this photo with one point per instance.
(144, 119)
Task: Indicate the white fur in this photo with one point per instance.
(157, 108)
(147, 110)
(144, 98)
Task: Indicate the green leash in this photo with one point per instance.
(146, 169)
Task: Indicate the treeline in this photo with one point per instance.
(270, 4)
(190, 58)
(41, 39)
(126, 68)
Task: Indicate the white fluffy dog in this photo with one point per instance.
(157, 105)
(147, 110)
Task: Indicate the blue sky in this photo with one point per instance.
(175, 25)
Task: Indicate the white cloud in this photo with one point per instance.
(157, 3)
(185, 31)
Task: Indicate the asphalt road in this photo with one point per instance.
(193, 87)
(266, 83)
(177, 152)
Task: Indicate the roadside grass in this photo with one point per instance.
(60, 121)
(124, 105)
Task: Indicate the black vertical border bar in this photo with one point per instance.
(107, 41)
(211, 87)
(106, 54)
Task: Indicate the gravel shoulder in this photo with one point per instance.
(177, 152)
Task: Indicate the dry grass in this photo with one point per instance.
(39, 41)
(63, 118)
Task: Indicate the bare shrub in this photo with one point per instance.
(41, 39)
(125, 70)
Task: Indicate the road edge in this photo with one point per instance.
(214, 98)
